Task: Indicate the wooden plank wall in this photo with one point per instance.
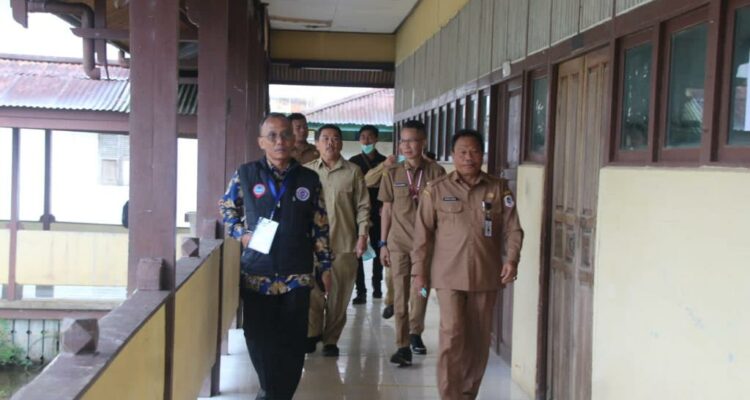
(487, 33)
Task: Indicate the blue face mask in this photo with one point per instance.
(368, 148)
(401, 158)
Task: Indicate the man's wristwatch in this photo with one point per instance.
(382, 243)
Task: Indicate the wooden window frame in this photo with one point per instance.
(527, 97)
(618, 155)
(689, 156)
(471, 112)
(726, 153)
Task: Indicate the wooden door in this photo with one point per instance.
(582, 93)
(506, 159)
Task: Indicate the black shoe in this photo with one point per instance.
(417, 345)
(330, 350)
(388, 312)
(402, 357)
(360, 299)
(377, 294)
(312, 343)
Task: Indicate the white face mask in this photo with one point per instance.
(401, 158)
(368, 148)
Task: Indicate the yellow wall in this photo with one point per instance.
(332, 46)
(196, 321)
(231, 284)
(426, 20)
(671, 284)
(72, 258)
(4, 249)
(138, 370)
(526, 292)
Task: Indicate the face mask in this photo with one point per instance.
(401, 158)
(368, 148)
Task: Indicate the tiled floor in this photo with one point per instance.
(362, 371)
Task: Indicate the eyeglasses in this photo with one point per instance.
(274, 137)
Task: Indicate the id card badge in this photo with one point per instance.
(263, 235)
(487, 208)
(487, 227)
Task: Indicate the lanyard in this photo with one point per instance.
(414, 190)
(277, 195)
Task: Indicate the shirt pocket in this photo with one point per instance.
(450, 207)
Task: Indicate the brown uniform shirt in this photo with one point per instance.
(394, 188)
(347, 203)
(450, 220)
(306, 154)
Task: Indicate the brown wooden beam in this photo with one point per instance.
(237, 87)
(154, 30)
(212, 137)
(121, 34)
(86, 121)
(100, 21)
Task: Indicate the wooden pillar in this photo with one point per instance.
(12, 293)
(253, 86)
(237, 74)
(154, 31)
(47, 217)
(213, 44)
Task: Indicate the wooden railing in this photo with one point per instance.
(125, 354)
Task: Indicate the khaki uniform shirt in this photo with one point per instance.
(307, 154)
(374, 175)
(394, 188)
(450, 220)
(347, 203)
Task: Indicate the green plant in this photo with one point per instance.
(10, 354)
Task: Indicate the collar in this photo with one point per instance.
(422, 165)
(339, 164)
(275, 171)
(483, 177)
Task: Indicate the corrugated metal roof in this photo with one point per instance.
(64, 86)
(374, 107)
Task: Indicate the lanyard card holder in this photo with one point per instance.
(263, 236)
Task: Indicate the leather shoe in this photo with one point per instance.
(330, 350)
(360, 299)
(388, 312)
(312, 343)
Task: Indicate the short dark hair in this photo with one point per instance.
(371, 128)
(416, 125)
(272, 115)
(297, 117)
(432, 156)
(470, 133)
(328, 126)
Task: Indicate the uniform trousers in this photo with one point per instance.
(465, 325)
(328, 316)
(275, 331)
(409, 307)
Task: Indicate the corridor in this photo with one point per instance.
(363, 372)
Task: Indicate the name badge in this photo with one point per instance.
(263, 236)
(487, 208)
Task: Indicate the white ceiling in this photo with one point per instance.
(371, 16)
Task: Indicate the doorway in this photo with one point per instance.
(580, 125)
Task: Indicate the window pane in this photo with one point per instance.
(687, 72)
(485, 116)
(470, 122)
(635, 98)
(187, 178)
(538, 115)
(6, 155)
(460, 123)
(93, 165)
(739, 131)
(31, 206)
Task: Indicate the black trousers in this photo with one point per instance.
(276, 332)
(377, 267)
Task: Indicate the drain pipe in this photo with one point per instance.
(86, 14)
